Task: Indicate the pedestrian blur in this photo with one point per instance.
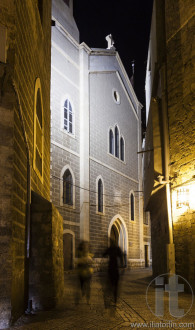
(115, 262)
(85, 271)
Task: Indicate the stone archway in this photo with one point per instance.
(68, 249)
(117, 231)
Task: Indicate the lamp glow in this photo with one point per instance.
(186, 197)
(182, 197)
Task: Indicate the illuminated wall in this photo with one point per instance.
(25, 56)
(172, 88)
(181, 114)
(119, 177)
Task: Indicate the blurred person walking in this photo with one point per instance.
(115, 261)
(85, 271)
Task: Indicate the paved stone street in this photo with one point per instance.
(131, 310)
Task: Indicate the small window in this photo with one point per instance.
(132, 208)
(116, 96)
(68, 117)
(116, 142)
(100, 196)
(122, 149)
(111, 142)
(67, 188)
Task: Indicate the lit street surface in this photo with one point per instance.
(131, 310)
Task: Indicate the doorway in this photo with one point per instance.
(117, 231)
(114, 235)
(68, 251)
(146, 255)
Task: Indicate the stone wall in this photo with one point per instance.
(27, 57)
(159, 232)
(181, 112)
(7, 101)
(173, 85)
(119, 177)
(6, 215)
(180, 76)
(65, 147)
(46, 274)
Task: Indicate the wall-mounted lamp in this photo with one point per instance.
(182, 197)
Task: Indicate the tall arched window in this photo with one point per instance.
(38, 130)
(100, 196)
(116, 131)
(122, 148)
(68, 116)
(67, 188)
(111, 142)
(132, 207)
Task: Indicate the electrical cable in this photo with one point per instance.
(95, 192)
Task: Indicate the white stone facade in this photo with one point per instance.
(102, 98)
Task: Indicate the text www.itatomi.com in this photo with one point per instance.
(168, 324)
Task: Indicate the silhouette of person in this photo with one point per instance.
(115, 257)
(84, 269)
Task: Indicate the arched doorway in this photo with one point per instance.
(117, 231)
(114, 234)
(68, 250)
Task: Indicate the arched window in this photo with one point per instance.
(68, 117)
(122, 148)
(132, 207)
(116, 131)
(116, 143)
(38, 130)
(111, 142)
(100, 196)
(67, 188)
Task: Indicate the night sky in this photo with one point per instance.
(129, 23)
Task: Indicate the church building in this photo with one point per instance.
(96, 177)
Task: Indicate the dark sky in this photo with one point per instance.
(129, 23)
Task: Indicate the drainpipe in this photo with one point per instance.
(28, 196)
(170, 245)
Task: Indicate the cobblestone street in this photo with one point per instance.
(131, 310)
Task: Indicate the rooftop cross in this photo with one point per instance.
(110, 42)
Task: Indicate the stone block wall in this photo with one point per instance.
(57, 256)
(32, 60)
(7, 100)
(159, 232)
(6, 190)
(119, 177)
(116, 200)
(180, 22)
(105, 114)
(27, 57)
(180, 75)
(184, 239)
(65, 147)
(46, 274)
